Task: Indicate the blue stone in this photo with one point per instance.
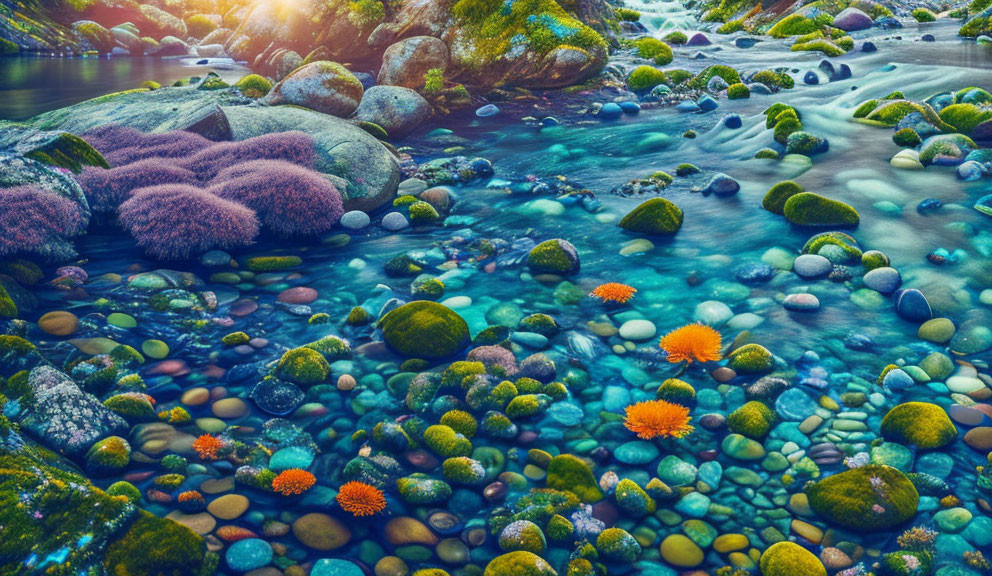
(711, 473)
(291, 457)
(928, 38)
(897, 379)
(746, 42)
(929, 205)
(722, 185)
(795, 404)
(335, 567)
(811, 78)
(610, 111)
(732, 121)
(549, 122)
(630, 107)
(885, 280)
(636, 453)
(869, 47)
(615, 398)
(706, 103)
(487, 111)
(249, 554)
(694, 504)
(912, 305)
(970, 171)
(687, 106)
(754, 273)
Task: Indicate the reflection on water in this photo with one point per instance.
(31, 85)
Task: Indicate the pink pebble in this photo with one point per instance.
(243, 308)
(170, 367)
(244, 349)
(490, 268)
(214, 372)
(299, 295)
(258, 343)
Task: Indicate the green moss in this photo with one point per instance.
(14, 344)
(359, 317)
(424, 329)
(199, 25)
(542, 324)
(366, 14)
(572, 474)
(553, 257)
(645, 78)
(738, 91)
(786, 126)
(678, 76)
(790, 559)
(524, 406)
(495, 27)
(617, 545)
(656, 216)
(560, 529)
(8, 48)
(774, 79)
(753, 420)
(108, 456)
(774, 201)
(332, 348)
(907, 563)
(795, 25)
(461, 422)
(972, 95)
(632, 499)
(423, 213)
(235, 339)
(433, 81)
(155, 546)
(303, 366)
(461, 374)
(890, 112)
(26, 273)
(654, 49)
(273, 263)
(907, 138)
(728, 74)
(254, 86)
(965, 117)
(463, 470)
(774, 113)
(823, 46)
(924, 15)
(683, 170)
(677, 392)
(133, 407)
(125, 489)
(8, 309)
(124, 355)
(865, 499)
(676, 37)
(766, 154)
(502, 394)
(920, 424)
(866, 108)
(808, 209)
(627, 15)
(519, 563)
(445, 442)
(69, 152)
(421, 489)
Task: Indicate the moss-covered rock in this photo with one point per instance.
(519, 563)
(753, 420)
(617, 545)
(808, 209)
(728, 74)
(965, 117)
(907, 138)
(155, 546)
(738, 91)
(571, 473)
(69, 152)
(774, 201)
(798, 25)
(656, 216)
(445, 442)
(555, 256)
(678, 392)
(523, 535)
(303, 366)
(654, 49)
(790, 559)
(425, 329)
(865, 499)
(645, 78)
(751, 359)
(108, 456)
(8, 48)
(924, 15)
(254, 86)
(919, 424)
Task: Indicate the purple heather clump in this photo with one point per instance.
(111, 138)
(294, 147)
(289, 200)
(107, 189)
(176, 221)
(38, 221)
(168, 145)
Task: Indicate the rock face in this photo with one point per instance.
(852, 20)
(397, 110)
(64, 417)
(408, 61)
(343, 149)
(326, 87)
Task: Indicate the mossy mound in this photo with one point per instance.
(738, 91)
(774, 201)
(865, 499)
(965, 117)
(845, 242)
(155, 546)
(303, 366)
(751, 359)
(654, 49)
(555, 256)
(645, 78)
(108, 456)
(753, 420)
(425, 329)
(907, 138)
(8, 48)
(808, 209)
(656, 216)
(924, 15)
(519, 563)
(799, 25)
(571, 473)
(728, 74)
(790, 559)
(919, 424)
(890, 112)
(69, 152)
(254, 86)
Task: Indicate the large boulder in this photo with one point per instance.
(426, 330)
(66, 419)
(407, 62)
(852, 20)
(397, 110)
(160, 23)
(128, 40)
(865, 499)
(343, 149)
(326, 87)
(93, 36)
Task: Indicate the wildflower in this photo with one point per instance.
(693, 342)
(294, 481)
(658, 418)
(361, 499)
(208, 446)
(614, 292)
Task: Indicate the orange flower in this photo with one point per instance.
(190, 496)
(614, 292)
(658, 418)
(361, 499)
(207, 446)
(294, 481)
(693, 342)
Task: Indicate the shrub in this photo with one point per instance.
(294, 147)
(433, 81)
(38, 221)
(175, 221)
(289, 200)
(924, 15)
(107, 189)
(128, 146)
(644, 78)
